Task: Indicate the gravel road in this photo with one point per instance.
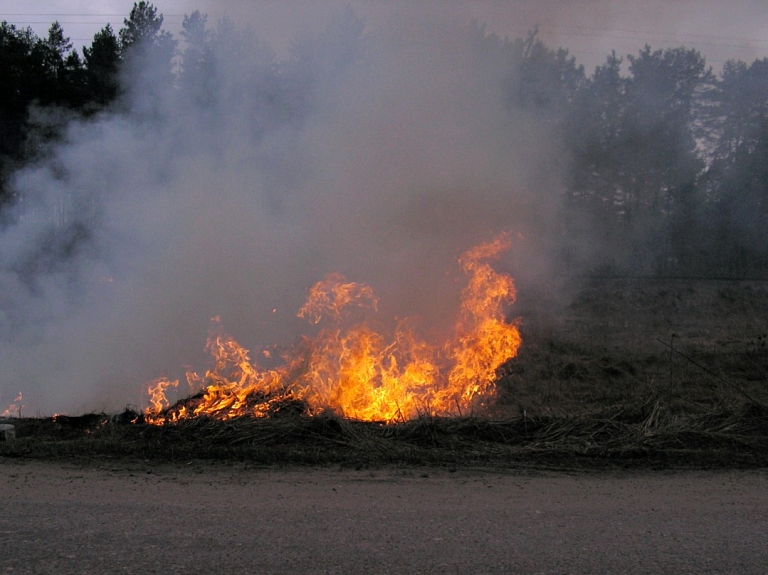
(201, 518)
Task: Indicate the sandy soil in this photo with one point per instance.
(201, 518)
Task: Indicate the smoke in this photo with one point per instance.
(391, 153)
(590, 29)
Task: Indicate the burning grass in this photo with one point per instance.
(357, 371)
(681, 381)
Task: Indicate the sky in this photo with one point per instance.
(590, 29)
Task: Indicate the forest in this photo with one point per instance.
(664, 162)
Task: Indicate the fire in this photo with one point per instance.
(356, 371)
(15, 407)
(329, 296)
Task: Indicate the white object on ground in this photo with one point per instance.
(7, 432)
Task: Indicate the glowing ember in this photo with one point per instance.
(356, 371)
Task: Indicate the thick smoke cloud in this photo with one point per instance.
(147, 221)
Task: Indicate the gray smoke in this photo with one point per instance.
(146, 222)
(590, 29)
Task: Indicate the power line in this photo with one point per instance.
(592, 31)
(567, 30)
(749, 44)
(55, 14)
(655, 33)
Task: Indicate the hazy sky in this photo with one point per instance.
(588, 28)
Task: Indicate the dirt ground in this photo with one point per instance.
(204, 518)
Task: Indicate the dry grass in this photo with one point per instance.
(667, 375)
(644, 435)
(696, 345)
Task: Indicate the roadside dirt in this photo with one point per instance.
(202, 518)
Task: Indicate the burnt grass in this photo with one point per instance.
(669, 374)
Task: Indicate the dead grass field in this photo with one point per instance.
(695, 345)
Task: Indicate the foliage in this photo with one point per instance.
(102, 61)
(738, 177)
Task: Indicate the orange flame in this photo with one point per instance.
(329, 296)
(356, 371)
(156, 392)
(14, 409)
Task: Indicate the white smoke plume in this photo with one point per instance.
(147, 221)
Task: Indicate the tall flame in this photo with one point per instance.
(356, 371)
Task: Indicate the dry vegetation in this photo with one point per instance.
(631, 374)
(694, 346)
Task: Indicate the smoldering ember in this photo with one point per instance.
(409, 239)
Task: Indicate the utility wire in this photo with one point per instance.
(588, 31)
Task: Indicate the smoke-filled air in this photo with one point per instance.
(162, 191)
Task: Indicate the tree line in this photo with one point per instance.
(665, 163)
(46, 73)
